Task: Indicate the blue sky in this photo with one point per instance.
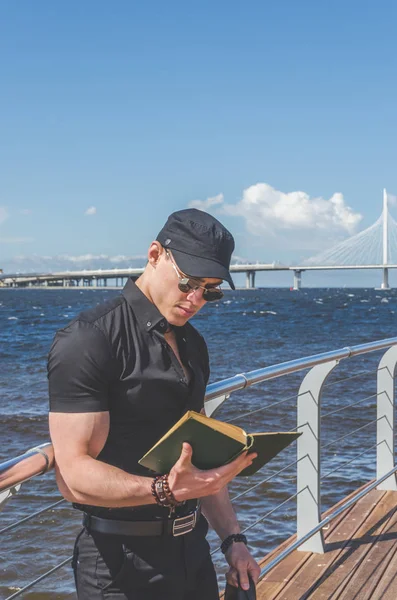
(133, 110)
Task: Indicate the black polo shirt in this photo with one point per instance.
(114, 358)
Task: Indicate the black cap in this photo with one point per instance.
(200, 244)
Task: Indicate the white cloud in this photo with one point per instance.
(90, 211)
(89, 258)
(267, 210)
(206, 204)
(3, 214)
(25, 211)
(82, 257)
(239, 260)
(121, 258)
(66, 262)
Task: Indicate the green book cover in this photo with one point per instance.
(214, 444)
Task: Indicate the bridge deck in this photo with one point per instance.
(360, 561)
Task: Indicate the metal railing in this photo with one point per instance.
(308, 464)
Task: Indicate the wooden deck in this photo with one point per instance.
(360, 560)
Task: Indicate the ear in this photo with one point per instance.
(154, 253)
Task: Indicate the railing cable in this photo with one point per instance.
(267, 479)
(263, 517)
(348, 462)
(333, 412)
(295, 545)
(32, 583)
(29, 517)
(273, 510)
(253, 412)
(359, 374)
(350, 433)
(294, 397)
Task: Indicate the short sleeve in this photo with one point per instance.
(206, 361)
(79, 369)
(202, 353)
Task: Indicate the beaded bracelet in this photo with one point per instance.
(162, 493)
(157, 488)
(234, 537)
(170, 496)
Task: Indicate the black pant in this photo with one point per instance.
(109, 567)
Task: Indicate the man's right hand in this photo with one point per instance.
(186, 481)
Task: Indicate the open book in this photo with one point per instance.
(214, 444)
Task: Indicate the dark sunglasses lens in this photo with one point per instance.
(212, 295)
(184, 287)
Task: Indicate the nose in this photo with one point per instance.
(197, 292)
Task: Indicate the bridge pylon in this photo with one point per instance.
(250, 280)
(297, 279)
(385, 281)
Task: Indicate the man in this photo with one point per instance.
(120, 375)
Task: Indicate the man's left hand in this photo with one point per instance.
(242, 565)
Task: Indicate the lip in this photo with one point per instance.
(186, 311)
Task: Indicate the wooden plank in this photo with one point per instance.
(305, 575)
(267, 591)
(319, 565)
(387, 587)
(337, 577)
(273, 553)
(289, 571)
(376, 561)
(371, 533)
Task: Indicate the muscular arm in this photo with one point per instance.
(77, 439)
(219, 512)
(80, 367)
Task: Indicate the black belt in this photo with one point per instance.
(174, 526)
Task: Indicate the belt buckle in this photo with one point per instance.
(183, 525)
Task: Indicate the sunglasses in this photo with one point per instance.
(187, 284)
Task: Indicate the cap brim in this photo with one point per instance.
(196, 266)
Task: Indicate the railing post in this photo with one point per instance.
(7, 495)
(385, 419)
(212, 406)
(308, 513)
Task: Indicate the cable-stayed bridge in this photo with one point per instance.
(373, 248)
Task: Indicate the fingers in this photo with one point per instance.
(232, 577)
(186, 454)
(187, 481)
(238, 578)
(243, 566)
(244, 581)
(237, 465)
(254, 571)
(255, 574)
(247, 458)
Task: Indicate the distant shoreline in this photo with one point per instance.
(60, 287)
(99, 287)
(228, 290)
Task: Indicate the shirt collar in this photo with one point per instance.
(145, 311)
